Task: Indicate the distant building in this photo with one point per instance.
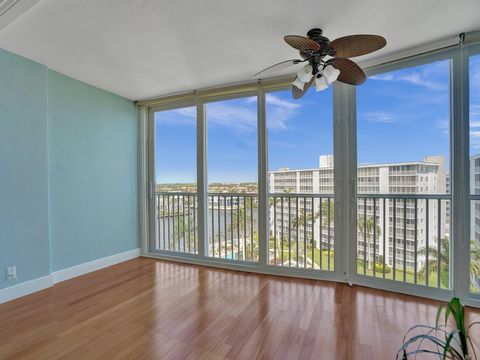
(447, 205)
(422, 177)
(475, 205)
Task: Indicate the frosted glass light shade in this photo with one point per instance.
(330, 73)
(305, 74)
(298, 83)
(320, 83)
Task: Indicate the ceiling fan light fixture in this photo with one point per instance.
(320, 83)
(298, 83)
(305, 74)
(326, 59)
(330, 73)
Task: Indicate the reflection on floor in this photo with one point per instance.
(151, 309)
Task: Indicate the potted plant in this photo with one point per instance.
(448, 339)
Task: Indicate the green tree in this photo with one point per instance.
(474, 262)
(242, 219)
(445, 260)
(433, 257)
(369, 226)
(282, 243)
(252, 253)
(183, 232)
(327, 204)
(300, 222)
(273, 202)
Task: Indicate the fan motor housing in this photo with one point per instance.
(324, 42)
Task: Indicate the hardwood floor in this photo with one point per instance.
(151, 309)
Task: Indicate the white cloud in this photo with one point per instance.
(444, 126)
(181, 116)
(280, 111)
(276, 101)
(379, 117)
(426, 76)
(188, 112)
(474, 109)
(283, 144)
(239, 115)
(475, 73)
(475, 139)
(384, 77)
(236, 117)
(415, 78)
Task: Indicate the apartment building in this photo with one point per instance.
(392, 196)
(475, 205)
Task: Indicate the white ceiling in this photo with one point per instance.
(146, 48)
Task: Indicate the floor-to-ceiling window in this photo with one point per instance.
(474, 115)
(403, 231)
(403, 175)
(174, 184)
(232, 142)
(300, 180)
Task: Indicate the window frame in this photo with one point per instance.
(398, 286)
(470, 50)
(151, 168)
(344, 113)
(338, 274)
(203, 175)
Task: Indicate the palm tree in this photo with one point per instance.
(273, 202)
(252, 253)
(327, 218)
(474, 262)
(368, 225)
(242, 219)
(183, 230)
(434, 257)
(301, 221)
(445, 259)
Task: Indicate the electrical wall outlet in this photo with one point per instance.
(12, 273)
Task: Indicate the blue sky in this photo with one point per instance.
(404, 115)
(401, 116)
(475, 104)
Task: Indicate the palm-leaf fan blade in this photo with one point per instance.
(350, 73)
(357, 45)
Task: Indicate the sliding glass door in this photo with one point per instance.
(174, 180)
(474, 175)
(232, 171)
(300, 180)
(403, 175)
(376, 184)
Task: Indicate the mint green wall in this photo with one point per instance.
(68, 171)
(92, 139)
(24, 238)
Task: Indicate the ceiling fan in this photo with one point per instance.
(326, 61)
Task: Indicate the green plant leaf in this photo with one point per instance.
(449, 335)
(448, 347)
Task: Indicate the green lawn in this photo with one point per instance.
(321, 261)
(409, 276)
